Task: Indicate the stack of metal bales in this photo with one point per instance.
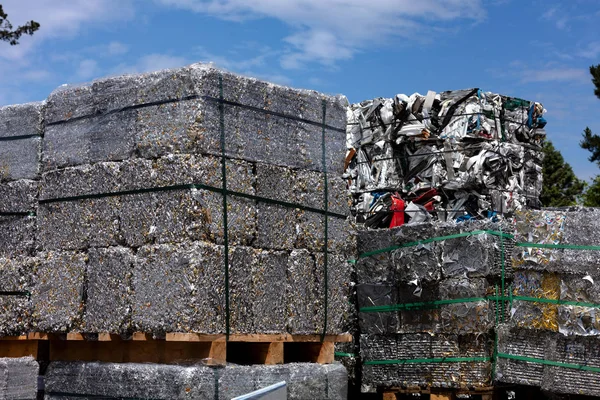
(458, 154)
(552, 340)
(444, 171)
(18, 378)
(425, 316)
(172, 202)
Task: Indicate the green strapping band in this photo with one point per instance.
(421, 305)
(557, 246)
(224, 192)
(548, 362)
(429, 360)
(341, 354)
(554, 301)
(430, 240)
(326, 209)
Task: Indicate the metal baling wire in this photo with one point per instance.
(224, 194)
(326, 227)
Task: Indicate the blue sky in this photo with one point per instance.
(537, 49)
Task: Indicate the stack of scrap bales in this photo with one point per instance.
(453, 155)
(20, 146)
(18, 378)
(66, 381)
(425, 316)
(553, 337)
(131, 231)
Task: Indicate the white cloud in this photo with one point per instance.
(327, 31)
(151, 62)
(592, 51)
(88, 69)
(117, 48)
(554, 75)
(59, 18)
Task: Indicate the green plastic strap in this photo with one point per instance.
(548, 362)
(341, 354)
(225, 222)
(502, 273)
(16, 293)
(193, 186)
(557, 246)
(428, 360)
(555, 301)
(18, 214)
(497, 298)
(420, 305)
(326, 209)
(433, 239)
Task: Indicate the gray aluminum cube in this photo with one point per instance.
(58, 291)
(179, 288)
(21, 119)
(19, 159)
(19, 378)
(15, 309)
(19, 196)
(304, 296)
(17, 235)
(108, 304)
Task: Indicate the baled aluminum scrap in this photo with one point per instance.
(480, 151)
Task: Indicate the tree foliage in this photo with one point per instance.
(561, 187)
(595, 71)
(12, 36)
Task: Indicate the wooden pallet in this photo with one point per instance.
(174, 348)
(484, 393)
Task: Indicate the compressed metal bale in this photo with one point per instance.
(269, 301)
(420, 262)
(475, 374)
(308, 381)
(79, 224)
(276, 227)
(419, 319)
(562, 226)
(525, 343)
(464, 318)
(15, 306)
(19, 159)
(19, 196)
(128, 175)
(108, 303)
(573, 350)
(21, 119)
(533, 315)
(109, 137)
(304, 296)
(69, 380)
(578, 320)
(241, 299)
(19, 378)
(179, 288)
(371, 295)
(17, 235)
(445, 374)
(311, 233)
(57, 293)
(340, 313)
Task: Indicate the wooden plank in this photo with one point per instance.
(326, 353)
(108, 337)
(217, 353)
(274, 353)
(19, 348)
(75, 336)
(442, 395)
(389, 396)
(12, 338)
(38, 336)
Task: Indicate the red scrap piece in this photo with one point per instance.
(397, 208)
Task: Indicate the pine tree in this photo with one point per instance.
(561, 187)
(12, 36)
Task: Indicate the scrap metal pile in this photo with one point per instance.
(450, 156)
(172, 202)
